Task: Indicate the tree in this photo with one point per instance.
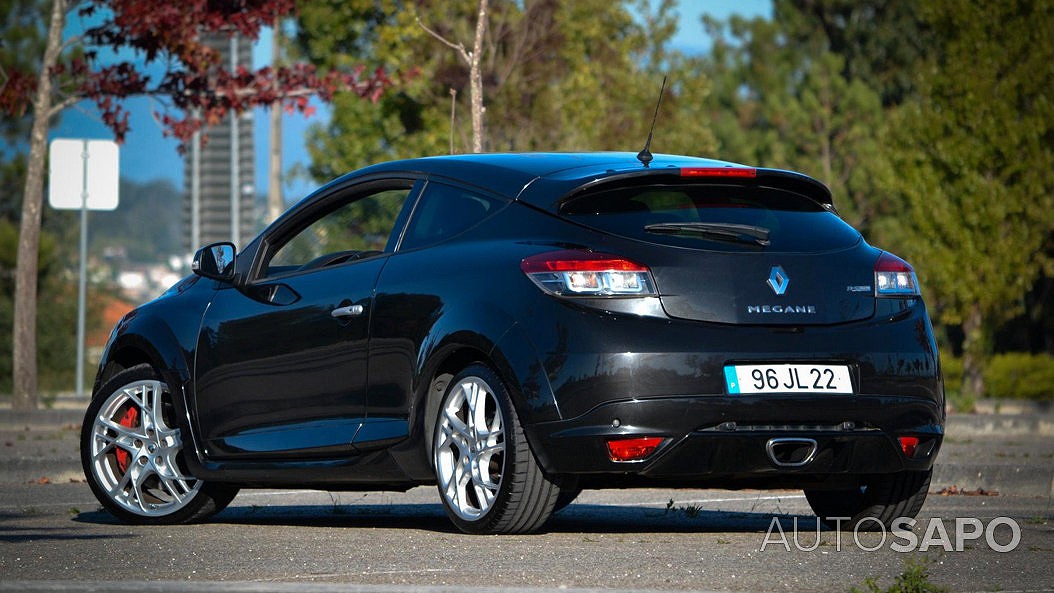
(778, 101)
(165, 35)
(472, 59)
(975, 162)
(879, 41)
(557, 75)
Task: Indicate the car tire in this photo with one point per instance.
(488, 478)
(875, 504)
(132, 454)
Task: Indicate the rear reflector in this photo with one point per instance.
(589, 274)
(719, 172)
(909, 445)
(894, 277)
(633, 448)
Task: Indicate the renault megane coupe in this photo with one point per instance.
(515, 328)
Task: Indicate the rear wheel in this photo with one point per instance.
(875, 504)
(488, 478)
(132, 454)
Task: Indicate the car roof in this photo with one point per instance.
(544, 179)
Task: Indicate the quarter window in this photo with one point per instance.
(445, 211)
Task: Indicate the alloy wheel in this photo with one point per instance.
(469, 448)
(135, 452)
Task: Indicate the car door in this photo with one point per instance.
(410, 298)
(281, 361)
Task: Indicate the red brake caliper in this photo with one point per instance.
(130, 420)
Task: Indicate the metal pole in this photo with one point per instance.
(83, 288)
(195, 189)
(236, 193)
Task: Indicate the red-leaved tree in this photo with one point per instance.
(194, 90)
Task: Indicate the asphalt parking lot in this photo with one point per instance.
(54, 537)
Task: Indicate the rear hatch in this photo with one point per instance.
(733, 250)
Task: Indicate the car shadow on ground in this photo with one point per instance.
(577, 518)
(21, 527)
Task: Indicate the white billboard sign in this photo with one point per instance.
(73, 160)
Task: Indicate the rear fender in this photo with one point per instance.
(511, 355)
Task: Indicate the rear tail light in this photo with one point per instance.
(894, 277)
(588, 274)
(632, 448)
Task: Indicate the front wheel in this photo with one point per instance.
(875, 504)
(488, 478)
(132, 454)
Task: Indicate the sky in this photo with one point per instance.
(147, 155)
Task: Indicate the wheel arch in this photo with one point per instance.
(440, 368)
(131, 348)
(511, 356)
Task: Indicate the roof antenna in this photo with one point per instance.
(644, 156)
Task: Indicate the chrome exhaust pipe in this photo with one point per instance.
(791, 451)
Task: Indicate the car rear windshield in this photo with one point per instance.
(713, 217)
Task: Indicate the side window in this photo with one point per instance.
(445, 211)
(354, 230)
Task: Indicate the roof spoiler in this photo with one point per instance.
(737, 175)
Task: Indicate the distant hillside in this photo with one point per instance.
(147, 225)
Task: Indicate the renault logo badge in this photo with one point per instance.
(778, 280)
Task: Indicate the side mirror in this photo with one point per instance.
(215, 261)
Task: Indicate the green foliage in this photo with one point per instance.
(578, 75)
(1018, 375)
(1013, 375)
(975, 162)
(880, 41)
(57, 349)
(22, 35)
(952, 368)
(914, 579)
(787, 102)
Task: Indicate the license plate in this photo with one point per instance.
(788, 378)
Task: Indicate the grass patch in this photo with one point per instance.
(914, 579)
(689, 510)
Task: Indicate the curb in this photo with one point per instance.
(1007, 480)
(962, 425)
(40, 419)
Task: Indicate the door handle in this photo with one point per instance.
(349, 311)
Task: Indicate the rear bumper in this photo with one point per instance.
(723, 440)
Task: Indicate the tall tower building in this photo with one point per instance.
(220, 155)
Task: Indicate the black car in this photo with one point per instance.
(518, 327)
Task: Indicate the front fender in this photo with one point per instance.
(143, 338)
(162, 333)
